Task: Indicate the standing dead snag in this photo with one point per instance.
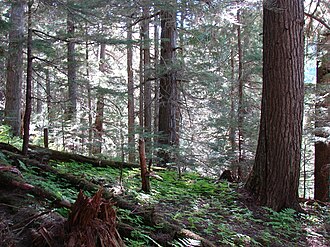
(143, 165)
(92, 223)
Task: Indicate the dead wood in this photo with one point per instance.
(92, 222)
(149, 216)
(76, 181)
(12, 180)
(179, 232)
(68, 157)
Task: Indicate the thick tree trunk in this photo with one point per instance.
(275, 176)
(322, 115)
(130, 87)
(168, 84)
(321, 172)
(15, 67)
(71, 57)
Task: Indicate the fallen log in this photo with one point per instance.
(8, 179)
(149, 215)
(78, 182)
(67, 157)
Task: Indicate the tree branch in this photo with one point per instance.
(318, 19)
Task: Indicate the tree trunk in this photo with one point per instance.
(232, 130)
(89, 97)
(143, 167)
(48, 97)
(141, 91)
(240, 90)
(275, 176)
(98, 126)
(168, 84)
(28, 100)
(72, 82)
(156, 86)
(322, 115)
(146, 78)
(38, 100)
(130, 87)
(15, 67)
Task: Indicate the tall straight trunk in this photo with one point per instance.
(28, 99)
(168, 84)
(141, 91)
(15, 67)
(322, 115)
(275, 176)
(232, 103)
(146, 78)
(98, 126)
(89, 97)
(71, 57)
(39, 96)
(48, 97)
(156, 86)
(130, 88)
(240, 90)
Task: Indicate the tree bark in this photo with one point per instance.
(156, 86)
(28, 99)
(322, 115)
(71, 57)
(275, 176)
(15, 67)
(143, 167)
(38, 100)
(141, 91)
(89, 97)
(130, 87)
(48, 97)
(240, 90)
(232, 130)
(146, 77)
(168, 84)
(98, 126)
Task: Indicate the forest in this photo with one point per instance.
(164, 123)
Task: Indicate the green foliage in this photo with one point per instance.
(284, 222)
(193, 201)
(4, 159)
(44, 46)
(7, 136)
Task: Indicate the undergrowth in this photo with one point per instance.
(197, 203)
(210, 208)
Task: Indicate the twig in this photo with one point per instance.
(31, 220)
(318, 19)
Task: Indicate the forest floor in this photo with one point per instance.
(218, 211)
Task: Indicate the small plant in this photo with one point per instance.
(284, 222)
(6, 136)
